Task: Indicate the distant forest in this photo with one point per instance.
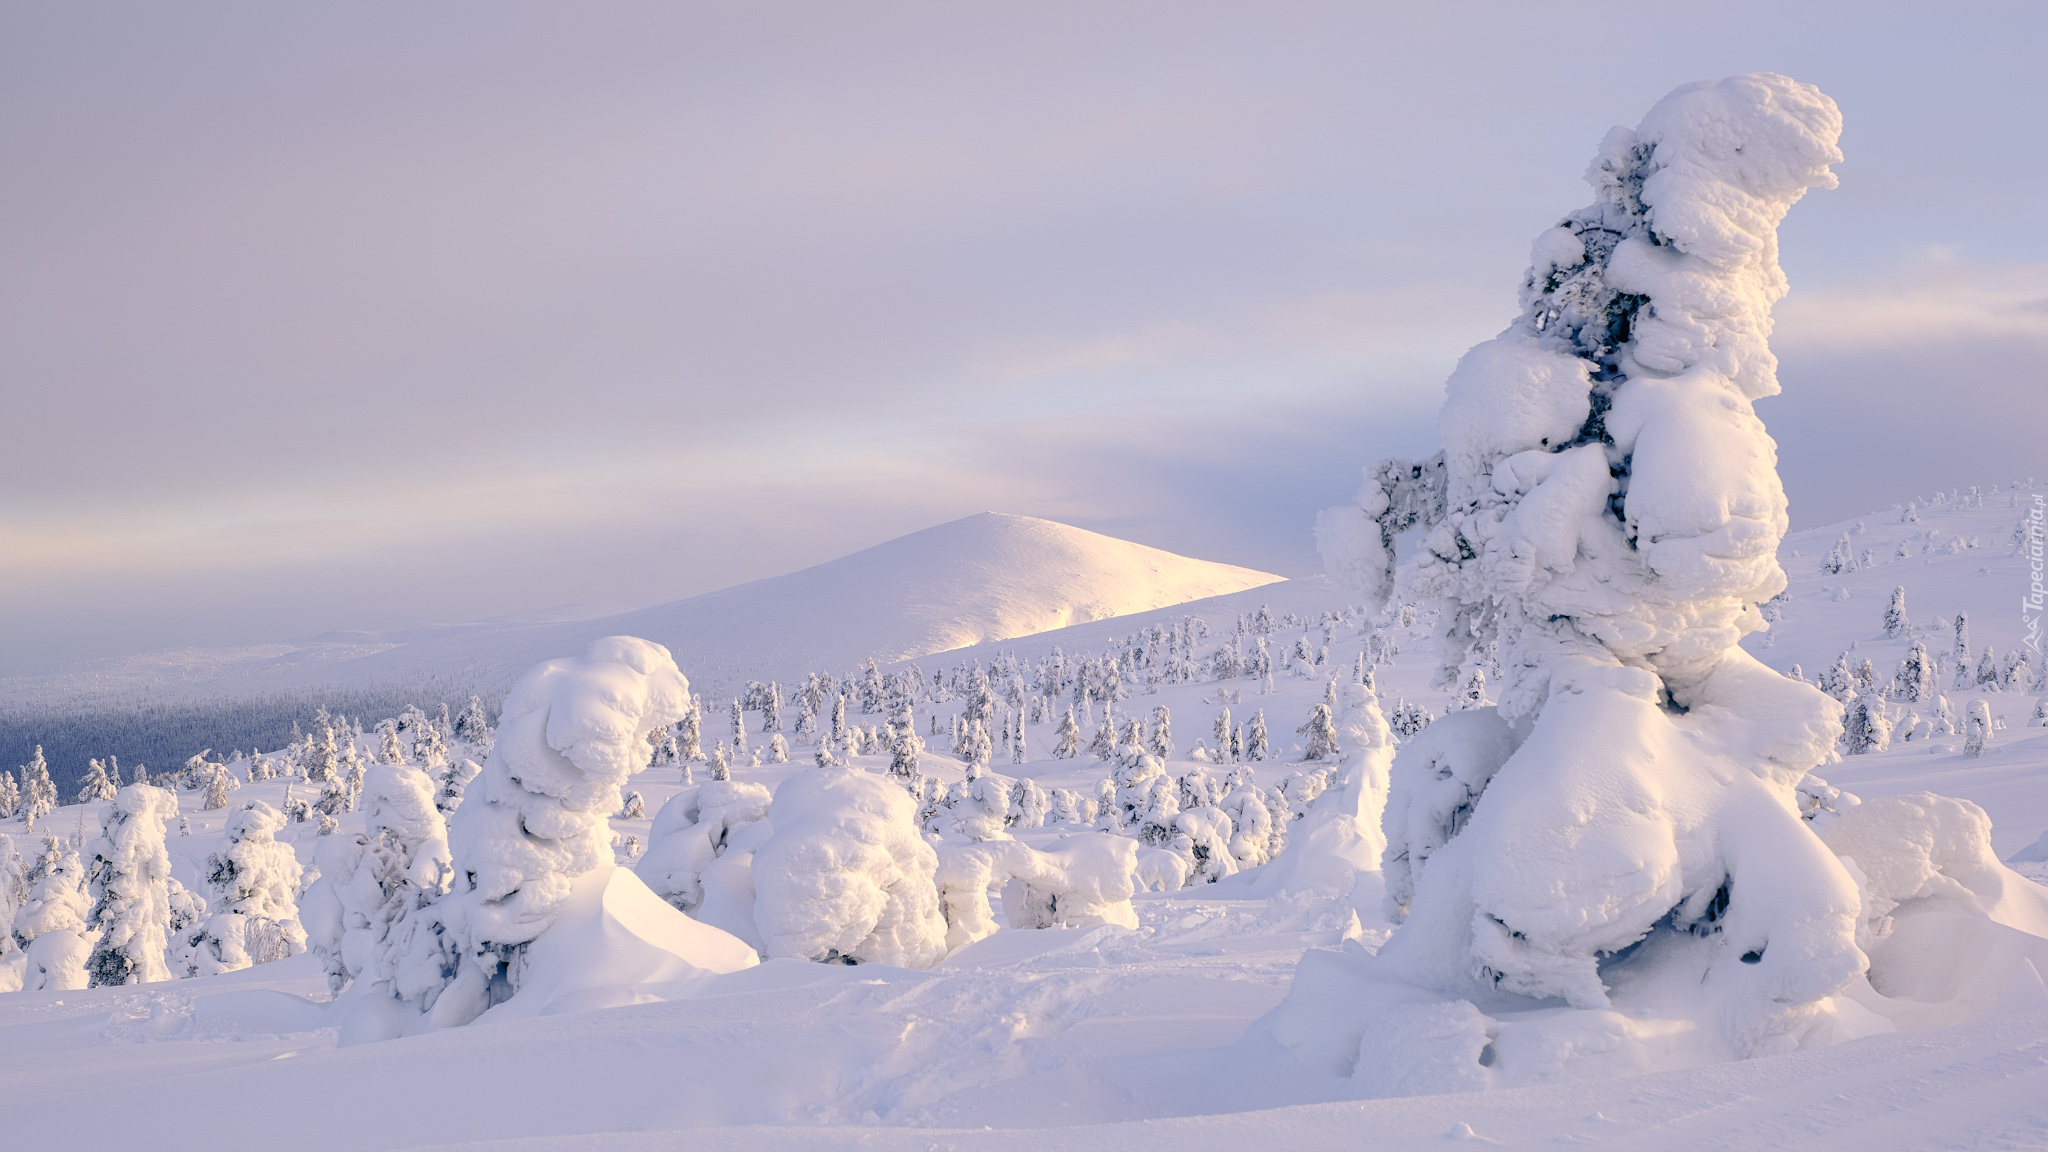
(162, 737)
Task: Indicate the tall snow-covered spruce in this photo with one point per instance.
(1605, 515)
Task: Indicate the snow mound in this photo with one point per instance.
(615, 942)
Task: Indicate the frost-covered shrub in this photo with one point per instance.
(1605, 519)
(254, 882)
(847, 875)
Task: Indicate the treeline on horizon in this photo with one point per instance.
(162, 737)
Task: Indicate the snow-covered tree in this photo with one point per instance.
(1896, 623)
(1840, 558)
(473, 727)
(218, 785)
(389, 750)
(38, 791)
(1976, 728)
(1207, 834)
(1866, 728)
(1961, 652)
(1255, 747)
(96, 786)
(1472, 693)
(1986, 676)
(127, 877)
(2013, 673)
(872, 692)
(1606, 516)
(254, 885)
(978, 748)
(1069, 737)
(1914, 681)
(1319, 735)
(1159, 741)
(10, 796)
(690, 732)
(450, 783)
(905, 746)
(847, 876)
(1223, 733)
(50, 923)
(1838, 681)
(573, 731)
(321, 755)
(13, 894)
(1030, 805)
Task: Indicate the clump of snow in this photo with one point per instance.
(847, 874)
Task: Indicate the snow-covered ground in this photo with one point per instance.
(1062, 1037)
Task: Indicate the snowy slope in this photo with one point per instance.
(1095, 1038)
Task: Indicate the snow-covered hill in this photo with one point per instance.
(983, 578)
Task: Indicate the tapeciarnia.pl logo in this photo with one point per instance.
(2031, 604)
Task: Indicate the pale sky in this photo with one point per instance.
(372, 315)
